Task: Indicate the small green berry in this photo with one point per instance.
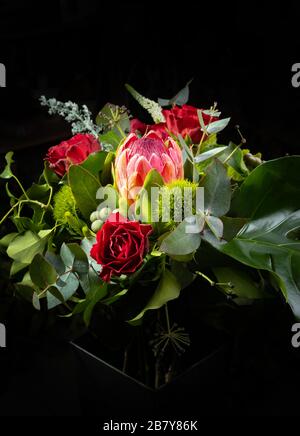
(104, 213)
(94, 216)
(96, 225)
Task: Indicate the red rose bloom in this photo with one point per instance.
(121, 246)
(179, 120)
(73, 151)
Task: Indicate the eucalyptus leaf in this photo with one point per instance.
(214, 152)
(217, 189)
(217, 126)
(181, 98)
(180, 241)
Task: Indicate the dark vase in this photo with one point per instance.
(105, 391)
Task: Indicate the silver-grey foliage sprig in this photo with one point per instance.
(79, 117)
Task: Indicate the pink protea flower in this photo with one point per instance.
(137, 156)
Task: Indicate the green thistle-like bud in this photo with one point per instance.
(64, 210)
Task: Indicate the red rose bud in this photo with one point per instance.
(73, 151)
(121, 246)
(179, 120)
(137, 156)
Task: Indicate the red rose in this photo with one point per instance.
(179, 120)
(73, 151)
(121, 246)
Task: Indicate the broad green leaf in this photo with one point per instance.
(42, 273)
(231, 227)
(217, 189)
(24, 247)
(7, 173)
(168, 289)
(180, 241)
(242, 284)
(151, 106)
(95, 163)
(270, 198)
(84, 186)
(97, 295)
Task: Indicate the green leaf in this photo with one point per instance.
(234, 158)
(110, 138)
(112, 118)
(151, 106)
(96, 296)
(183, 275)
(242, 284)
(94, 163)
(67, 285)
(84, 186)
(217, 126)
(168, 289)
(38, 192)
(7, 173)
(152, 180)
(106, 177)
(49, 177)
(215, 225)
(270, 198)
(7, 239)
(42, 273)
(231, 227)
(74, 258)
(217, 190)
(185, 149)
(16, 267)
(180, 242)
(213, 152)
(181, 98)
(24, 223)
(24, 247)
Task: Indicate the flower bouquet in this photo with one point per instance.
(141, 233)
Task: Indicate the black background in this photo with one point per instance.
(239, 54)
